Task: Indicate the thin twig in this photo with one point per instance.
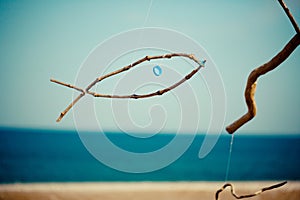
(67, 85)
(247, 195)
(263, 69)
(62, 114)
(290, 16)
(134, 96)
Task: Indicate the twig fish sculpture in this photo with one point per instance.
(132, 96)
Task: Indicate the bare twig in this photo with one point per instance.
(134, 96)
(62, 114)
(67, 85)
(290, 16)
(247, 195)
(263, 69)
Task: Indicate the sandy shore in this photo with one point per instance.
(144, 191)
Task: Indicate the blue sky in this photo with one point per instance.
(51, 39)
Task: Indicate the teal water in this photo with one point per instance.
(28, 155)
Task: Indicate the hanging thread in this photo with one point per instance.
(229, 157)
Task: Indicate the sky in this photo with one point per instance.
(52, 39)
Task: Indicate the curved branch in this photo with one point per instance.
(247, 195)
(265, 68)
(254, 75)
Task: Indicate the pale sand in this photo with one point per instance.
(144, 191)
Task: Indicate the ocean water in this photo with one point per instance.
(28, 155)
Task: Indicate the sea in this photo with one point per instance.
(34, 155)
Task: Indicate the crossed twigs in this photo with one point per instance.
(132, 96)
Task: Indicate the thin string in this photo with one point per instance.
(141, 35)
(148, 13)
(229, 158)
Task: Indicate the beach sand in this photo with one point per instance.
(144, 191)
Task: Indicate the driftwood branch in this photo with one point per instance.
(254, 75)
(247, 195)
(263, 69)
(133, 96)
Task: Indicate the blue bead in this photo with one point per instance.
(157, 70)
